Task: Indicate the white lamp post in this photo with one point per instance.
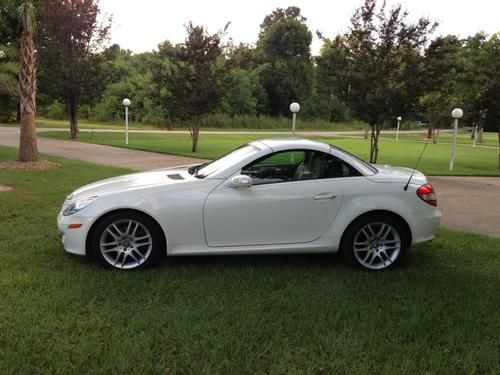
(126, 103)
(294, 108)
(456, 114)
(474, 133)
(397, 130)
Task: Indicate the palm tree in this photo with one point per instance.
(28, 150)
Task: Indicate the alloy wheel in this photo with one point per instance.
(377, 245)
(126, 244)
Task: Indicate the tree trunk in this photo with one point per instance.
(480, 135)
(429, 130)
(367, 128)
(374, 142)
(435, 133)
(73, 117)
(195, 132)
(28, 150)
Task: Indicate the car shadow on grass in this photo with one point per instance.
(255, 260)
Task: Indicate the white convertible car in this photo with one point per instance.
(269, 196)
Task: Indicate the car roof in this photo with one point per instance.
(279, 144)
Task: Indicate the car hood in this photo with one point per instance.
(167, 176)
(388, 173)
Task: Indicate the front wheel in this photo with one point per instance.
(375, 242)
(127, 241)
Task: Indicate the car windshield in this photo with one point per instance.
(224, 162)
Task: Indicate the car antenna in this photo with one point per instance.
(416, 165)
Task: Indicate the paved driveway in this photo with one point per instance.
(98, 154)
(468, 203)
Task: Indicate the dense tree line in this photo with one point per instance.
(382, 67)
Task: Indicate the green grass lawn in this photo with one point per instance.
(469, 161)
(215, 123)
(82, 124)
(489, 139)
(437, 313)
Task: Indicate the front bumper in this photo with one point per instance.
(74, 239)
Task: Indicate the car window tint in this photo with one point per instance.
(290, 157)
(297, 165)
(336, 167)
(277, 167)
(227, 160)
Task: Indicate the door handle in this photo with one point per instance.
(325, 196)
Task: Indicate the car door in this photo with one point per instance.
(277, 209)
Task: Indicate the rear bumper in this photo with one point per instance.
(424, 225)
(74, 239)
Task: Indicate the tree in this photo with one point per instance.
(189, 78)
(128, 75)
(490, 98)
(28, 150)
(332, 78)
(479, 80)
(473, 79)
(9, 72)
(491, 102)
(239, 98)
(71, 61)
(9, 59)
(442, 65)
(383, 57)
(242, 56)
(244, 94)
(9, 23)
(285, 48)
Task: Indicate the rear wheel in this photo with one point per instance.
(127, 241)
(375, 242)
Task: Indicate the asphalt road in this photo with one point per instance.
(467, 203)
(98, 154)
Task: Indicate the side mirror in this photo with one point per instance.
(241, 181)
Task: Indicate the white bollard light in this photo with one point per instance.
(457, 113)
(294, 108)
(126, 103)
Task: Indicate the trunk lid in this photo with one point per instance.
(389, 174)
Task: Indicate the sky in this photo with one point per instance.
(141, 25)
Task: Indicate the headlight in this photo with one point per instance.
(78, 206)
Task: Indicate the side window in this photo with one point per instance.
(297, 165)
(336, 167)
(319, 165)
(277, 167)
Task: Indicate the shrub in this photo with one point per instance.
(56, 111)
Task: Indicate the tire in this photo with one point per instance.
(127, 241)
(375, 242)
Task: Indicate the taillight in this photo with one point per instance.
(427, 194)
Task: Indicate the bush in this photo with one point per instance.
(223, 121)
(85, 112)
(104, 111)
(56, 111)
